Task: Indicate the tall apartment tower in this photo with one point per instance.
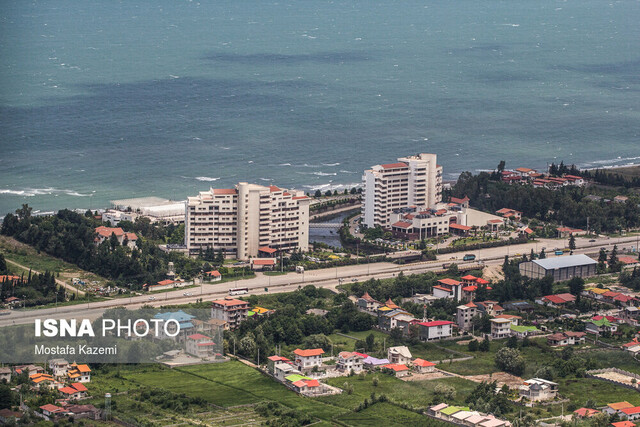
(246, 219)
(412, 181)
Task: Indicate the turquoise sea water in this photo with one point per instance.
(105, 100)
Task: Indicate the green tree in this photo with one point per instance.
(576, 286)
(510, 360)
(370, 342)
(614, 264)
(473, 345)
(542, 255)
(3, 264)
(317, 194)
(572, 243)
(485, 345)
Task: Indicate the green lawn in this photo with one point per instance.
(579, 390)
(386, 414)
(416, 393)
(229, 384)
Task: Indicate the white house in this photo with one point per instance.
(434, 330)
(58, 367)
(423, 366)
(500, 328)
(348, 360)
(538, 389)
(200, 345)
(399, 355)
(305, 359)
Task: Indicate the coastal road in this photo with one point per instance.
(326, 278)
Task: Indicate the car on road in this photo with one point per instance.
(152, 298)
(354, 280)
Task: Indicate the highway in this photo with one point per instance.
(326, 278)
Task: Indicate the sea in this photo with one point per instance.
(104, 100)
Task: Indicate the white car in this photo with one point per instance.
(152, 298)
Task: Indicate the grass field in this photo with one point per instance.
(388, 415)
(39, 261)
(229, 384)
(415, 393)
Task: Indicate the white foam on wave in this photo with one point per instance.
(618, 159)
(206, 178)
(331, 186)
(50, 191)
(331, 164)
(284, 164)
(324, 173)
(346, 171)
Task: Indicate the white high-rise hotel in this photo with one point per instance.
(412, 181)
(246, 219)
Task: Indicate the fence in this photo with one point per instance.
(594, 374)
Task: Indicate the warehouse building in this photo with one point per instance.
(560, 268)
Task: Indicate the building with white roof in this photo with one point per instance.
(560, 268)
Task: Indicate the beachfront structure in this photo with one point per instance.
(247, 219)
(411, 181)
(560, 268)
(231, 310)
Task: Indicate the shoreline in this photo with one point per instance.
(27, 199)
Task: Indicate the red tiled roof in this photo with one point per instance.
(449, 282)
(214, 273)
(459, 201)
(165, 282)
(270, 261)
(308, 353)
(299, 197)
(198, 337)
(51, 408)
(623, 424)
(230, 302)
(423, 363)
(435, 323)
(68, 390)
(398, 165)
(367, 297)
(273, 188)
(442, 288)
(402, 224)
(469, 278)
(631, 411)
(627, 259)
(108, 231)
(586, 412)
(396, 367)
(131, 236)
(267, 249)
(391, 304)
(278, 359)
(79, 386)
(496, 221)
(471, 288)
(460, 227)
